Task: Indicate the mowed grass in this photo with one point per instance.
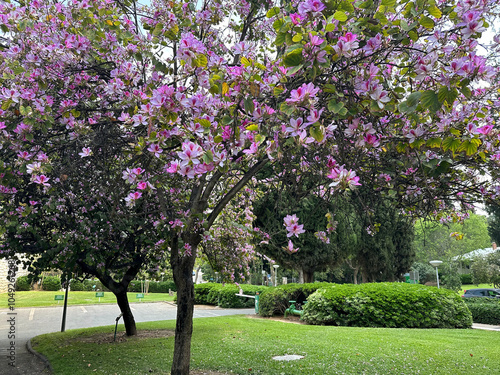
(244, 345)
(42, 298)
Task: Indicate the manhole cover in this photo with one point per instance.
(288, 357)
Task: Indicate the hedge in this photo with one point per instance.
(51, 283)
(466, 278)
(23, 284)
(397, 305)
(224, 295)
(484, 310)
(274, 301)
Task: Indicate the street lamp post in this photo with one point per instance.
(436, 264)
(275, 274)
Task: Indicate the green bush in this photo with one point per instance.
(161, 286)
(484, 310)
(397, 305)
(274, 301)
(23, 284)
(77, 286)
(466, 278)
(51, 283)
(225, 295)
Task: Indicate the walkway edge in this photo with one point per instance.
(44, 359)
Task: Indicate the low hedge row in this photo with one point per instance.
(397, 305)
(484, 310)
(224, 295)
(274, 301)
(23, 284)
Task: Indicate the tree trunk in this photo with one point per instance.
(301, 276)
(356, 270)
(308, 276)
(182, 267)
(128, 317)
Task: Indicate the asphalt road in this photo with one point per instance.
(28, 322)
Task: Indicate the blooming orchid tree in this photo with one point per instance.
(198, 98)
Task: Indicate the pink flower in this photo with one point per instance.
(41, 180)
(190, 152)
(252, 150)
(295, 230)
(295, 18)
(86, 151)
(380, 96)
(290, 248)
(310, 6)
(303, 93)
(155, 149)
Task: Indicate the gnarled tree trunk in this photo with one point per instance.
(128, 317)
(182, 267)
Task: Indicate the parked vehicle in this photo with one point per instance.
(482, 292)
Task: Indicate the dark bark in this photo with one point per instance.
(128, 317)
(182, 267)
(119, 289)
(308, 276)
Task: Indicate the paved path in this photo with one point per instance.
(33, 321)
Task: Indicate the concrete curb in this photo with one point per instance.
(44, 359)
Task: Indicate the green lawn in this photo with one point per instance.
(42, 298)
(472, 286)
(246, 346)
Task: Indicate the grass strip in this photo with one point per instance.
(244, 345)
(42, 298)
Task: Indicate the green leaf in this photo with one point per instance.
(430, 101)
(6, 104)
(340, 16)
(347, 6)
(317, 132)
(470, 147)
(388, 3)
(414, 98)
(413, 35)
(447, 95)
(277, 24)
(18, 70)
(451, 143)
(278, 90)
(249, 106)
(434, 143)
(201, 60)
(426, 22)
(280, 39)
(158, 29)
(203, 122)
(294, 58)
(272, 12)
(334, 106)
(218, 139)
(208, 157)
(294, 69)
(329, 27)
(297, 38)
(246, 62)
(252, 127)
(435, 11)
(286, 109)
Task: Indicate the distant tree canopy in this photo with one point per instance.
(376, 242)
(444, 241)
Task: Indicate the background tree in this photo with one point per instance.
(434, 240)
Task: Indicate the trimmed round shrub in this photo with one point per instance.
(23, 284)
(397, 305)
(484, 310)
(161, 286)
(275, 300)
(77, 286)
(51, 283)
